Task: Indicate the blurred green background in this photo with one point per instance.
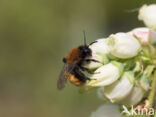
(35, 35)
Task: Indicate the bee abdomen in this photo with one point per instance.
(75, 80)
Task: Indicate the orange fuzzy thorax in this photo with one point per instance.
(74, 55)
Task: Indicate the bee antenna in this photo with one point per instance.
(84, 33)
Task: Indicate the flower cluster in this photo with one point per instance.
(124, 72)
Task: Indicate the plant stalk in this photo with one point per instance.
(152, 94)
(153, 91)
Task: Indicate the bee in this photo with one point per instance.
(74, 66)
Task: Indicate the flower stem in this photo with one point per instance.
(153, 91)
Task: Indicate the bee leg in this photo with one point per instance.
(92, 43)
(93, 60)
(87, 70)
(84, 68)
(81, 76)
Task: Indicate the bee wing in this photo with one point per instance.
(67, 68)
(62, 77)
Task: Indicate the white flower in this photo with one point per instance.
(148, 15)
(100, 46)
(145, 35)
(134, 97)
(120, 89)
(106, 75)
(93, 65)
(124, 45)
(107, 110)
(142, 33)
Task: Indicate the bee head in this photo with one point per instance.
(84, 49)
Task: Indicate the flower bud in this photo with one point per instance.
(148, 15)
(134, 97)
(124, 45)
(106, 74)
(141, 33)
(100, 46)
(120, 89)
(107, 110)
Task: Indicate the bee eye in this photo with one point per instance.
(86, 51)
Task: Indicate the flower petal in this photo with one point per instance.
(105, 75)
(134, 97)
(142, 33)
(120, 89)
(124, 46)
(100, 46)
